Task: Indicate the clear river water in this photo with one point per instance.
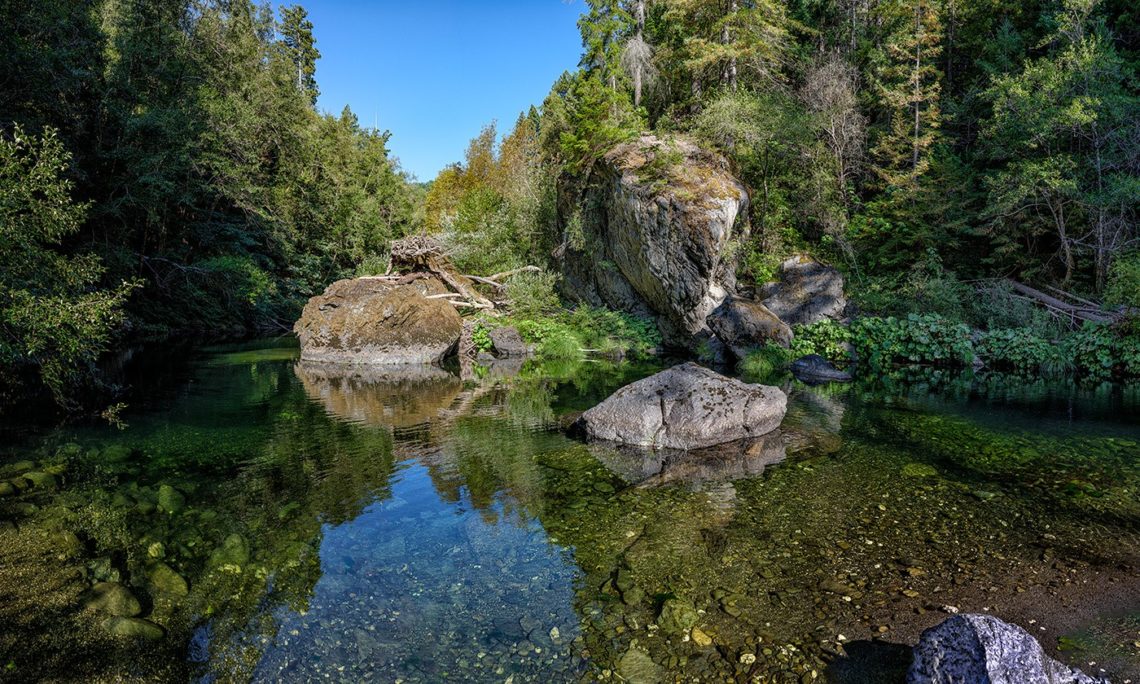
(260, 519)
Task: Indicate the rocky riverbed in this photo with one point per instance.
(264, 522)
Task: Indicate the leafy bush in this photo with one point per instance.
(1123, 287)
(1017, 349)
(570, 334)
(532, 294)
(925, 339)
(826, 338)
(55, 319)
(1099, 351)
(481, 337)
(765, 363)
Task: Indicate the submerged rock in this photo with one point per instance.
(164, 580)
(677, 616)
(170, 500)
(133, 627)
(685, 407)
(813, 369)
(982, 648)
(233, 551)
(114, 599)
(42, 480)
(743, 325)
(370, 321)
(657, 218)
(636, 667)
(807, 292)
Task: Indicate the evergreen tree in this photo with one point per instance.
(297, 38)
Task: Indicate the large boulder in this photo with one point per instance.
(685, 407)
(656, 218)
(806, 292)
(372, 321)
(743, 324)
(982, 648)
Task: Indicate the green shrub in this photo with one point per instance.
(826, 338)
(532, 294)
(1017, 349)
(923, 339)
(1100, 352)
(1123, 287)
(765, 364)
(481, 337)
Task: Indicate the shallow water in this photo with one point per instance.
(284, 522)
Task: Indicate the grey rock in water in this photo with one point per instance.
(507, 342)
(685, 407)
(743, 325)
(369, 321)
(134, 628)
(986, 650)
(114, 599)
(656, 219)
(813, 369)
(806, 292)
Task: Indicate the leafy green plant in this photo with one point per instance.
(481, 338)
(922, 339)
(826, 338)
(1017, 349)
(1101, 352)
(765, 363)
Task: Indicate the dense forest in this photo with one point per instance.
(164, 169)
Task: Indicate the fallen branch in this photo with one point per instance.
(494, 280)
(1062, 308)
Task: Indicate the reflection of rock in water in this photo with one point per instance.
(725, 462)
(814, 420)
(392, 396)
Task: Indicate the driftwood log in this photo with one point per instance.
(1065, 305)
(419, 256)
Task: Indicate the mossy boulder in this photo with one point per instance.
(371, 321)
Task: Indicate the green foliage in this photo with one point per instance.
(54, 319)
(826, 338)
(765, 364)
(925, 339)
(1018, 350)
(569, 335)
(1101, 352)
(533, 294)
(481, 337)
(1124, 282)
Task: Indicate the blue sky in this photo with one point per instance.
(433, 72)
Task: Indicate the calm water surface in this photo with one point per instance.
(285, 522)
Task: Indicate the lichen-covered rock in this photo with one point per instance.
(806, 292)
(507, 342)
(685, 407)
(744, 324)
(982, 648)
(369, 321)
(655, 220)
